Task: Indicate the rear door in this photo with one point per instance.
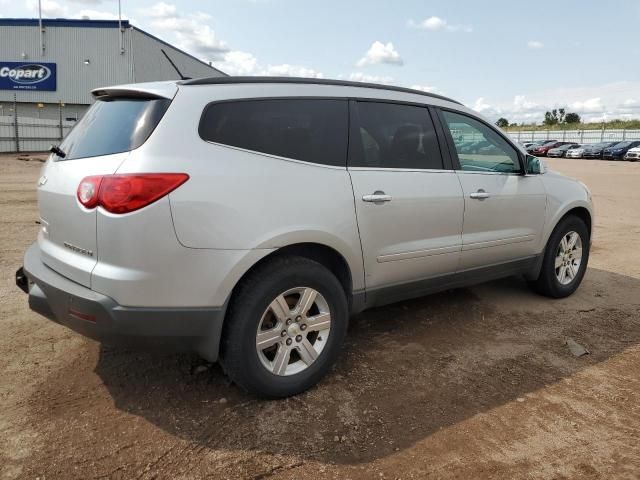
(97, 145)
(409, 205)
(504, 211)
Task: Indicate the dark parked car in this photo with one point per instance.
(542, 150)
(618, 151)
(595, 150)
(562, 150)
(539, 143)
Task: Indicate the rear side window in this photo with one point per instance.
(113, 125)
(312, 130)
(389, 135)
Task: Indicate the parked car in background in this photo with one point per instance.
(595, 150)
(576, 151)
(619, 150)
(633, 155)
(540, 143)
(542, 150)
(562, 150)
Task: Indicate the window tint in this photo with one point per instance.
(389, 135)
(310, 130)
(113, 125)
(479, 147)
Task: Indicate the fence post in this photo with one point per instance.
(60, 119)
(564, 135)
(602, 134)
(581, 136)
(15, 123)
(624, 134)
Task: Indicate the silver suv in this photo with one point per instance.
(246, 219)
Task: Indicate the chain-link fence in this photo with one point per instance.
(29, 134)
(578, 136)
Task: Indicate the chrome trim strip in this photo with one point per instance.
(418, 254)
(498, 243)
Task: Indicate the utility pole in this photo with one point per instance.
(120, 31)
(40, 27)
(15, 123)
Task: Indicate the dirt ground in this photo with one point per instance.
(473, 383)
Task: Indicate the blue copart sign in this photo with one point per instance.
(27, 76)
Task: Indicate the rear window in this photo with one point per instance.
(312, 130)
(113, 125)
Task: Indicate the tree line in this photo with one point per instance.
(557, 116)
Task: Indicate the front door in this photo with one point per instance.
(504, 210)
(409, 206)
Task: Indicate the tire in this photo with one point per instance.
(548, 282)
(258, 304)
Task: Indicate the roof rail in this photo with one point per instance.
(301, 80)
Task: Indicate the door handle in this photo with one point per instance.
(377, 197)
(480, 195)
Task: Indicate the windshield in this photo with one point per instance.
(113, 125)
(622, 145)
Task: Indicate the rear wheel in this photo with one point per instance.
(285, 327)
(565, 259)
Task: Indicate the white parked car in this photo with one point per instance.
(247, 218)
(576, 152)
(633, 155)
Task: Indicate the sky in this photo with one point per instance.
(503, 58)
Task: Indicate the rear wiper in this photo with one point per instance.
(57, 150)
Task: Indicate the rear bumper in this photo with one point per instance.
(99, 317)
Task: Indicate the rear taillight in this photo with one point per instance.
(127, 192)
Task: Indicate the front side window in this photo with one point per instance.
(479, 147)
(389, 135)
(312, 130)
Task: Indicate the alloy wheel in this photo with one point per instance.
(293, 331)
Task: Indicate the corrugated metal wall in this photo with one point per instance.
(69, 47)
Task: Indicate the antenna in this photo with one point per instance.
(182, 77)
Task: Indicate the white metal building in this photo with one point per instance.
(51, 71)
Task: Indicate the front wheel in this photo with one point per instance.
(285, 327)
(565, 259)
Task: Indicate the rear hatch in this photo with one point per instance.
(119, 121)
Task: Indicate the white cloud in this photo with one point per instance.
(194, 34)
(237, 63)
(436, 23)
(97, 15)
(191, 32)
(521, 104)
(591, 105)
(364, 77)
(50, 8)
(53, 9)
(286, 70)
(380, 53)
(535, 44)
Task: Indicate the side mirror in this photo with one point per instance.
(533, 165)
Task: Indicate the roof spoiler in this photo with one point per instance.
(149, 90)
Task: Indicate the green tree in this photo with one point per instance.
(561, 113)
(551, 118)
(502, 122)
(572, 117)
